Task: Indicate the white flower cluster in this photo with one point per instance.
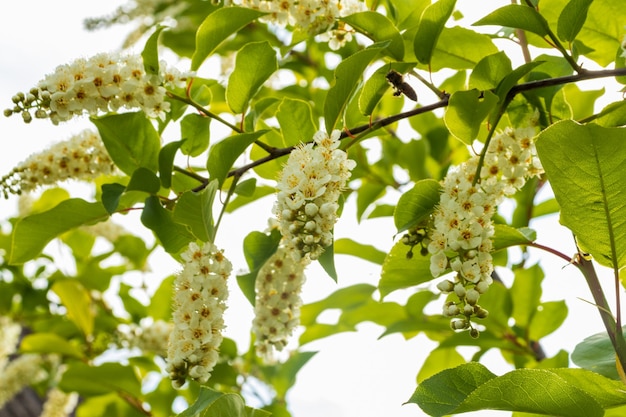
(277, 306)
(23, 371)
(312, 16)
(59, 403)
(199, 303)
(104, 83)
(150, 337)
(82, 157)
(461, 237)
(9, 335)
(308, 190)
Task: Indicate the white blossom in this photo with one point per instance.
(199, 303)
(9, 336)
(23, 371)
(308, 190)
(82, 157)
(460, 239)
(59, 403)
(277, 306)
(107, 82)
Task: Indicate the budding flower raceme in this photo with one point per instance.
(150, 337)
(312, 17)
(59, 403)
(82, 157)
(199, 303)
(104, 83)
(460, 239)
(308, 190)
(25, 370)
(277, 306)
(9, 335)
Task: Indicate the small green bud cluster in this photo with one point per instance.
(417, 235)
(23, 103)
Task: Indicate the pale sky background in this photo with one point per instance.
(354, 374)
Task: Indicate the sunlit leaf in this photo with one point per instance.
(223, 154)
(49, 343)
(400, 271)
(166, 162)
(31, 234)
(77, 301)
(172, 235)
(347, 246)
(467, 111)
(416, 204)
(195, 209)
(347, 76)
(518, 17)
(431, 24)
(596, 353)
(254, 64)
(489, 71)
(97, 380)
(217, 27)
(130, 139)
(296, 121)
(150, 53)
(585, 167)
(572, 19)
(378, 28)
(375, 86)
(196, 133)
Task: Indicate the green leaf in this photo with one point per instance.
(548, 318)
(144, 180)
(416, 204)
(212, 403)
(254, 64)
(507, 236)
(572, 19)
(173, 236)
(518, 17)
(77, 301)
(98, 380)
(526, 294)
(612, 115)
(490, 71)
(430, 27)
(466, 112)
(217, 27)
(400, 272)
(585, 167)
(111, 195)
(347, 76)
(257, 249)
(196, 132)
(49, 343)
(439, 360)
(327, 261)
(195, 209)
(376, 86)
(160, 307)
(460, 48)
(223, 154)
(347, 246)
(246, 188)
(166, 163)
(150, 53)
(378, 28)
(130, 139)
(286, 376)
(369, 192)
(596, 353)
(296, 121)
(557, 392)
(31, 234)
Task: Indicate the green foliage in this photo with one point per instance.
(571, 392)
(236, 127)
(583, 163)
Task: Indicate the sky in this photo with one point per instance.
(354, 374)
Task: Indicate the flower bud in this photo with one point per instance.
(445, 286)
(471, 297)
(459, 290)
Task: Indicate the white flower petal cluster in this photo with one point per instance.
(104, 83)
(151, 336)
(9, 336)
(308, 190)
(460, 239)
(199, 302)
(277, 306)
(312, 16)
(59, 403)
(82, 157)
(23, 371)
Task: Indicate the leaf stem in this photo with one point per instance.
(612, 329)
